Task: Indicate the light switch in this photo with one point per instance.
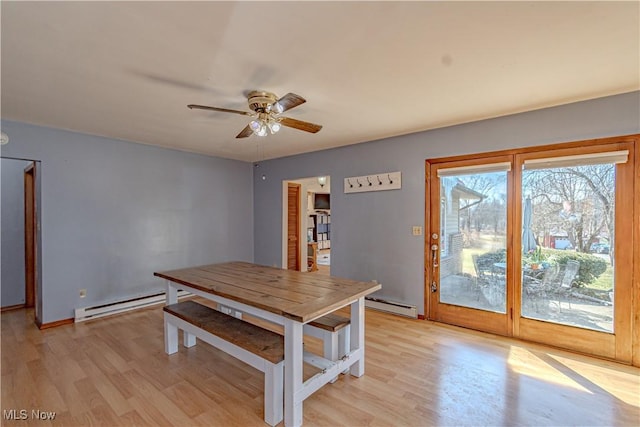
(417, 230)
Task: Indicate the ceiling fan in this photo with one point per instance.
(266, 109)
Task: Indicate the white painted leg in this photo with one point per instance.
(330, 347)
(292, 373)
(189, 340)
(170, 337)
(357, 335)
(344, 340)
(172, 293)
(273, 393)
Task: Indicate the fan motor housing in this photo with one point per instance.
(261, 101)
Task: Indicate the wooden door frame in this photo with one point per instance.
(498, 323)
(627, 348)
(30, 240)
(297, 189)
(615, 346)
(302, 247)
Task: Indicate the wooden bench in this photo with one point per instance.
(334, 331)
(260, 348)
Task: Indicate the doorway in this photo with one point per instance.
(306, 220)
(536, 244)
(293, 226)
(20, 237)
(30, 240)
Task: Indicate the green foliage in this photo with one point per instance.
(591, 267)
(535, 256)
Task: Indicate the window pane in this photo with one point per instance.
(473, 223)
(567, 245)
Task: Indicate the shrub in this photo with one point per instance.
(591, 267)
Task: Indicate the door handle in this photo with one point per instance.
(434, 252)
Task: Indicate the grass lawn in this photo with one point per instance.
(604, 282)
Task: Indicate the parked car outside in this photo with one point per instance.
(599, 248)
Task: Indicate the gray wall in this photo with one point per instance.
(113, 212)
(371, 232)
(12, 280)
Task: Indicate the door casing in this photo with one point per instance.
(30, 240)
(624, 344)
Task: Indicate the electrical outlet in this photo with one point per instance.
(417, 230)
(83, 293)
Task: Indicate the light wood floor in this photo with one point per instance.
(114, 371)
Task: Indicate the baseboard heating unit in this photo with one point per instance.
(89, 313)
(392, 307)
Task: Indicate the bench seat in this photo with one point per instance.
(334, 331)
(331, 322)
(258, 347)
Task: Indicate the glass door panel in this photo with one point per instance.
(568, 234)
(468, 244)
(574, 248)
(473, 225)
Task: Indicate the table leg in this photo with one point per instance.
(357, 335)
(292, 373)
(172, 293)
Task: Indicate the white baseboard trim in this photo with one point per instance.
(88, 313)
(392, 307)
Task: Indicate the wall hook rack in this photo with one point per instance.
(385, 181)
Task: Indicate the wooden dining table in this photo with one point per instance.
(288, 298)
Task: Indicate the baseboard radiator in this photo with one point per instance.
(89, 313)
(392, 307)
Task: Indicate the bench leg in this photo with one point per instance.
(188, 340)
(273, 393)
(330, 347)
(170, 336)
(344, 343)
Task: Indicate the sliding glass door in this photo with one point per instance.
(575, 237)
(535, 244)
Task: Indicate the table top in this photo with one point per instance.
(299, 296)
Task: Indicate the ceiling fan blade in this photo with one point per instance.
(245, 132)
(224, 110)
(299, 124)
(290, 100)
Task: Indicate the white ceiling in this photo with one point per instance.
(368, 70)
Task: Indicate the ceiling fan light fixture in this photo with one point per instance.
(277, 108)
(265, 118)
(255, 125)
(262, 131)
(274, 126)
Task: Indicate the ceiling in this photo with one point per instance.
(369, 70)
